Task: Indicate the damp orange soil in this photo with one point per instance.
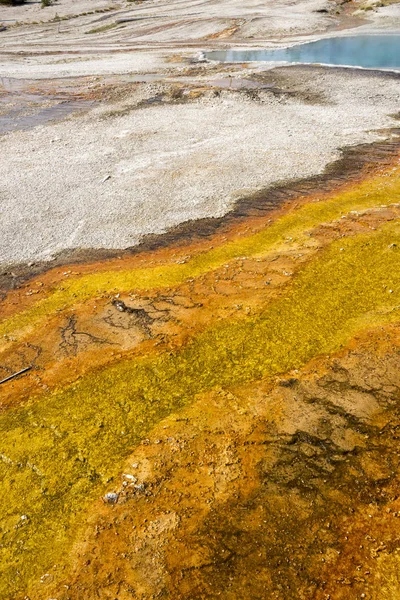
(94, 334)
(61, 451)
(204, 340)
(287, 487)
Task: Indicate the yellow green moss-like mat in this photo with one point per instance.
(216, 418)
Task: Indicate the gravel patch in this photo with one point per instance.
(106, 179)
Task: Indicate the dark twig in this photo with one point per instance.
(15, 374)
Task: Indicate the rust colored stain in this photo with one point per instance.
(285, 488)
(214, 415)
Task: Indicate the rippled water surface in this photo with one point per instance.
(368, 51)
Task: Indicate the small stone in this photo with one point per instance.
(111, 498)
(288, 382)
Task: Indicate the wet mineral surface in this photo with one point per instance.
(215, 414)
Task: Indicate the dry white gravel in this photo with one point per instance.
(172, 162)
(107, 178)
(55, 67)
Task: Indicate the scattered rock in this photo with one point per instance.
(111, 498)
